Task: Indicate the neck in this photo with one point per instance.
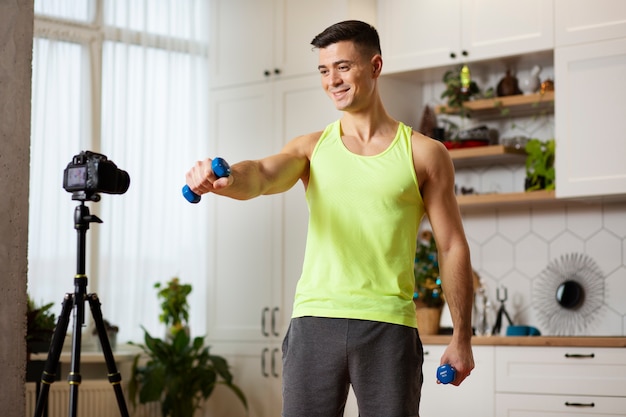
(369, 123)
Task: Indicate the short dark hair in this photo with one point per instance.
(364, 36)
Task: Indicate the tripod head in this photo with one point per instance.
(82, 217)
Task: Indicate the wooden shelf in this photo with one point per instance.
(482, 155)
(531, 198)
(517, 105)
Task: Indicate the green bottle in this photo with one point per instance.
(465, 79)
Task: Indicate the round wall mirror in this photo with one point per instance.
(570, 294)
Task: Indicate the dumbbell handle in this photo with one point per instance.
(220, 169)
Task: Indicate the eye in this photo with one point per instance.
(343, 67)
(323, 71)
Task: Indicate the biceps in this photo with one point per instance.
(280, 172)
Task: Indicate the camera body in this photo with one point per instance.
(90, 173)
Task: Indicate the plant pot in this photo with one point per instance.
(428, 318)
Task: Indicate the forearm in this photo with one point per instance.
(244, 183)
(271, 175)
(457, 283)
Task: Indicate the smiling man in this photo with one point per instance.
(369, 180)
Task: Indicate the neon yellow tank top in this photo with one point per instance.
(364, 214)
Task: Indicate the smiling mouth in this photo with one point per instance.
(338, 93)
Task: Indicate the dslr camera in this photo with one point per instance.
(90, 173)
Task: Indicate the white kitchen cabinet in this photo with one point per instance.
(257, 371)
(244, 234)
(551, 381)
(430, 33)
(582, 21)
(589, 106)
(257, 40)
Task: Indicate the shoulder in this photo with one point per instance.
(428, 151)
(303, 145)
(431, 159)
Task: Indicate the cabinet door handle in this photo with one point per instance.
(263, 324)
(580, 355)
(589, 405)
(464, 53)
(274, 311)
(267, 73)
(274, 373)
(263, 363)
(277, 71)
(452, 55)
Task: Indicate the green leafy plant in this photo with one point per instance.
(456, 93)
(174, 306)
(540, 174)
(428, 289)
(40, 326)
(180, 372)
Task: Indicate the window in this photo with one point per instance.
(125, 78)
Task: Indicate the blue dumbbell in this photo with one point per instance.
(446, 374)
(220, 169)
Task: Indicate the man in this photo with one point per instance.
(369, 179)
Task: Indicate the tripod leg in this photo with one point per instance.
(54, 353)
(508, 317)
(114, 376)
(498, 324)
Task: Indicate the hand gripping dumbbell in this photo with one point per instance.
(220, 169)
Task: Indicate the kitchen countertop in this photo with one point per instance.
(564, 341)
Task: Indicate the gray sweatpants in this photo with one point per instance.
(323, 356)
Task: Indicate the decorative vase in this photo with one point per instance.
(532, 83)
(508, 85)
(428, 318)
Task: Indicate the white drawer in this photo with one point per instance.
(559, 370)
(526, 405)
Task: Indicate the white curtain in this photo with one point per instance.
(147, 94)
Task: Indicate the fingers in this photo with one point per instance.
(460, 377)
(201, 178)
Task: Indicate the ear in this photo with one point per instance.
(377, 65)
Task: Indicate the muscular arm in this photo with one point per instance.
(248, 179)
(436, 178)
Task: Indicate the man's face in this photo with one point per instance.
(347, 76)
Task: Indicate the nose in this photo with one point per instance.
(334, 78)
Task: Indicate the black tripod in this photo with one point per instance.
(76, 300)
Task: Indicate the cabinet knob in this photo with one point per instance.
(464, 53)
(452, 55)
(277, 71)
(267, 73)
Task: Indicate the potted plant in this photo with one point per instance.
(174, 306)
(428, 296)
(459, 88)
(540, 174)
(40, 326)
(180, 372)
